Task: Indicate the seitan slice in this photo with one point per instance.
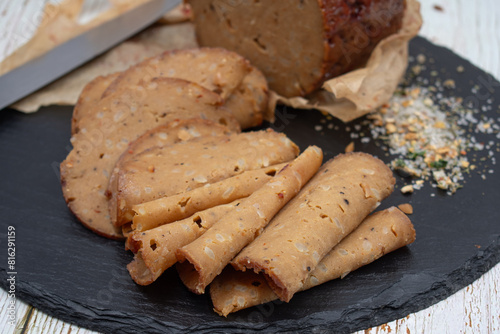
(189, 165)
(345, 190)
(379, 234)
(216, 69)
(161, 136)
(205, 258)
(165, 210)
(119, 119)
(89, 97)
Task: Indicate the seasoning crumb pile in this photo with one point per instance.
(432, 136)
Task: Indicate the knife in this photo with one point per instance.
(44, 69)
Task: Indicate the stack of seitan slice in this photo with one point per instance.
(107, 131)
(379, 234)
(218, 91)
(169, 170)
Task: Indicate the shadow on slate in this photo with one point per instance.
(70, 273)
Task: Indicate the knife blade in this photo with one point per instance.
(65, 57)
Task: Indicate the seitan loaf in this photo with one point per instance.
(298, 44)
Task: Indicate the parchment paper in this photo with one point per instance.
(359, 92)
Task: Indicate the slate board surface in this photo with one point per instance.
(70, 273)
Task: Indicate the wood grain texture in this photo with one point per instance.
(469, 28)
(474, 309)
(19, 20)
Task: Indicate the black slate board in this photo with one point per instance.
(71, 273)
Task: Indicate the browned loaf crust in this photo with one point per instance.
(105, 131)
(298, 44)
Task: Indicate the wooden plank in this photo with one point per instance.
(19, 20)
(470, 28)
(21, 314)
(473, 309)
(41, 323)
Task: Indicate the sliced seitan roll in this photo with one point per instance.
(155, 249)
(161, 136)
(206, 257)
(106, 132)
(379, 234)
(345, 190)
(165, 210)
(166, 171)
(298, 44)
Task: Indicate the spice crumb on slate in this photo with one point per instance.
(406, 208)
(350, 147)
(433, 136)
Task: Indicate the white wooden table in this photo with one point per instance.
(472, 30)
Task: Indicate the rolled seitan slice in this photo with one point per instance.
(161, 136)
(345, 190)
(155, 249)
(216, 69)
(297, 58)
(89, 97)
(379, 234)
(169, 209)
(166, 171)
(106, 132)
(206, 257)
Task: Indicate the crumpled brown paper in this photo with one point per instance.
(359, 92)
